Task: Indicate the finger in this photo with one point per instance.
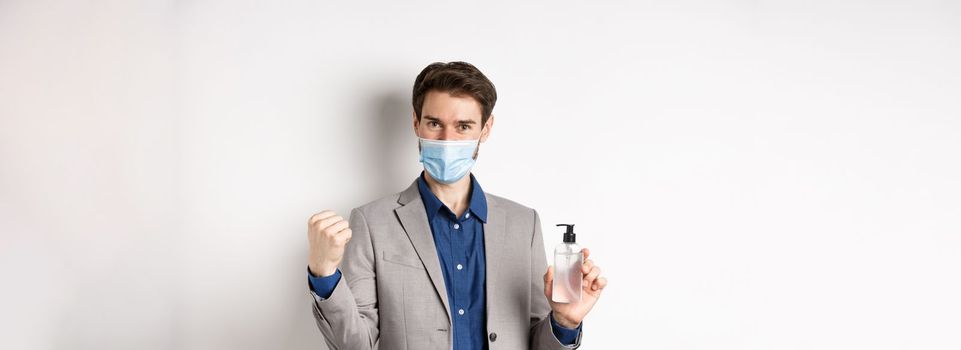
(549, 282)
(320, 216)
(586, 266)
(332, 230)
(344, 235)
(587, 253)
(591, 276)
(325, 223)
(599, 284)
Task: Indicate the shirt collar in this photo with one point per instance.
(477, 206)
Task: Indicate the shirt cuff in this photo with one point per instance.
(566, 336)
(323, 286)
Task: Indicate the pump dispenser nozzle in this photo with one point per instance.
(569, 236)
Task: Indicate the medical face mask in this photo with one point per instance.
(448, 161)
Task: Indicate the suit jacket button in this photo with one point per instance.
(493, 337)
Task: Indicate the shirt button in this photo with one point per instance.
(460, 267)
(456, 226)
(493, 337)
(460, 312)
(467, 216)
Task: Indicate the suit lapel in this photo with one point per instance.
(413, 217)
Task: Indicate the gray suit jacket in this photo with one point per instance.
(392, 294)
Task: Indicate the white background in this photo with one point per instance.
(749, 174)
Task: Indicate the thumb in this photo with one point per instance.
(549, 282)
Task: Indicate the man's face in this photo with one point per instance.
(449, 118)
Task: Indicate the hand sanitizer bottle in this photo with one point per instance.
(568, 275)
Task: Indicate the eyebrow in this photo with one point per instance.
(464, 121)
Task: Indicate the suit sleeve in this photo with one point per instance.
(348, 318)
(542, 335)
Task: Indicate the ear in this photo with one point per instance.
(416, 122)
(487, 128)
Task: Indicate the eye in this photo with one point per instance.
(465, 127)
(433, 124)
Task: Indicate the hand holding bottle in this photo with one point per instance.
(572, 313)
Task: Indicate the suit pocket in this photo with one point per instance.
(405, 260)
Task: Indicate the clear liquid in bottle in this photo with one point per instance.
(568, 275)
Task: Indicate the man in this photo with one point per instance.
(442, 265)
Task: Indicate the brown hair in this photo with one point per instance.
(457, 79)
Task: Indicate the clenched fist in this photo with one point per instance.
(328, 234)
